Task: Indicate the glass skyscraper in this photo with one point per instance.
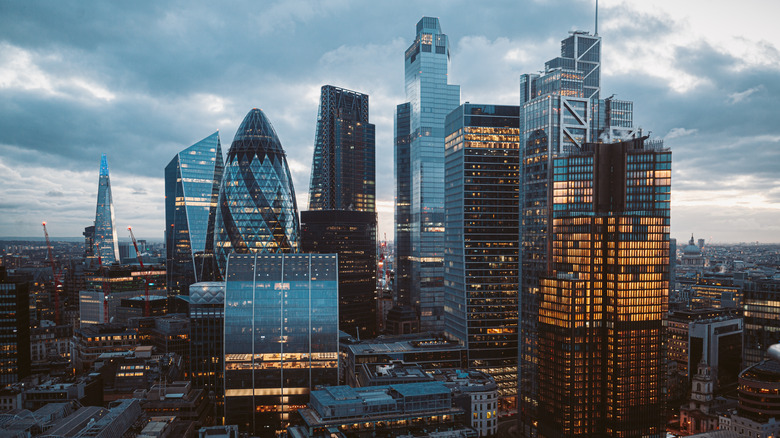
(602, 306)
(192, 181)
(482, 171)
(257, 209)
(206, 310)
(105, 233)
(281, 336)
(561, 110)
(342, 216)
(430, 99)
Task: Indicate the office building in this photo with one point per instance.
(561, 110)
(90, 341)
(343, 171)
(419, 126)
(341, 217)
(105, 238)
(206, 307)
(257, 209)
(482, 171)
(758, 414)
(192, 181)
(601, 364)
(281, 336)
(14, 330)
(762, 314)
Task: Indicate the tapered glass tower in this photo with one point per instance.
(105, 233)
(257, 209)
(430, 99)
(192, 181)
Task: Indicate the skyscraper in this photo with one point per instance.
(602, 305)
(105, 233)
(430, 99)
(281, 336)
(14, 329)
(206, 310)
(561, 110)
(192, 181)
(482, 171)
(257, 208)
(341, 217)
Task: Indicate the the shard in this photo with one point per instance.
(105, 233)
(257, 210)
(192, 181)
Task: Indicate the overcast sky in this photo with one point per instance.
(142, 80)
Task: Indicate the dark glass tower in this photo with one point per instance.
(430, 99)
(281, 336)
(341, 217)
(601, 361)
(482, 171)
(192, 181)
(343, 171)
(257, 209)
(403, 214)
(105, 233)
(14, 330)
(206, 309)
(561, 110)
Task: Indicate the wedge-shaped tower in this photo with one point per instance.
(257, 210)
(105, 233)
(192, 181)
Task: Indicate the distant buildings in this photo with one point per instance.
(342, 215)
(281, 336)
(105, 234)
(192, 180)
(482, 172)
(419, 171)
(257, 208)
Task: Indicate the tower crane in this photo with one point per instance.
(147, 311)
(57, 282)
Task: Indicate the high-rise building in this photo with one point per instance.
(105, 234)
(482, 171)
(761, 314)
(403, 205)
(561, 110)
(257, 208)
(192, 181)
(342, 216)
(602, 305)
(343, 171)
(281, 336)
(206, 309)
(430, 98)
(14, 330)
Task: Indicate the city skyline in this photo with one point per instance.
(160, 80)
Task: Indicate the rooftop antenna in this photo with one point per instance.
(596, 32)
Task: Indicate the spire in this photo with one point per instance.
(596, 30)
(103, 165)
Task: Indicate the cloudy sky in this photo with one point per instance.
(142, 80)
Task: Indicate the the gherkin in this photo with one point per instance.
(257, 209)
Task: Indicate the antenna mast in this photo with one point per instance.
(596, 31)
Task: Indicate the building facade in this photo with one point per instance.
(482, 171)
(602, 306)
(281, 336)
(206, 307)
(14, 330)
(430, 98)
(192, 181)
(257, 208)
(762, 319)
(342, 213)
(105, 238)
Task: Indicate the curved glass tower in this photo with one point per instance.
(105, 233)
(257, 209)
(191, 193)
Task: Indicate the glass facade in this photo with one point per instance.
(192, 181)
(602, 307)
(430, 99)
(105, 234)
(14, 330)
(206, 302)
(257, 209)
(343, 175)
(482, 171)
(281, 336)
(762, 319)
(403, 203)
(351, 235)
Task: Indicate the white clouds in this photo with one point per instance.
(741, 96)
(679, 132)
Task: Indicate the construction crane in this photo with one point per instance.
(57, 282)
(147, 311)
(106, 284)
